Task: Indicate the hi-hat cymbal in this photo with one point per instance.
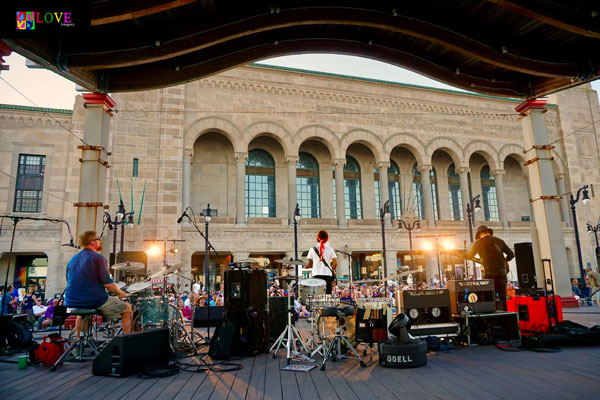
(290, 262)
(128, 266)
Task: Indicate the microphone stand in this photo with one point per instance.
(208, 246)
(16, 219)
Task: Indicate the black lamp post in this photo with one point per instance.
(573, 200)
(121, 217)
(296, 220)
(473, 205)
(207, 219)
(382, 213)
(409, 227)
(594, 230)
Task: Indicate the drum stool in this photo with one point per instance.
(85, 340)
(334, 351)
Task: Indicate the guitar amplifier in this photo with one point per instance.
(425, 306)
(479, 296)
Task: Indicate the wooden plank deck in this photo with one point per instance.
(463, 373)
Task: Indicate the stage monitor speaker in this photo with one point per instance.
(425, 306)
(132, 353)
(278, 316)
(245, 290)
(201, 316)
(525, 267)
(253, 332)
(479, 296)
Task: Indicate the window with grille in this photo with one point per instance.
(455, 194)
(488, 194)
(260, 184)
(352, 192)
(30, 183)
(394, 191)
(307, 186)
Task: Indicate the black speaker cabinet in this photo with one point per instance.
(253, 332)
(132, 353)
(525, 267)
(245, 289)
(203, 317)
(278, 316)
(479, 296)
(426, 306)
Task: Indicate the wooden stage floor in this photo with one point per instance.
(483, 372)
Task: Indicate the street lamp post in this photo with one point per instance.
(382, 213)
(409, 227)
(594, 230)
(473, 205)
(573, 200)
(121, 218)
(296, 220)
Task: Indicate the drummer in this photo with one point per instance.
(323, 260)
(87, 279)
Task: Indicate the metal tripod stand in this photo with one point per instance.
(290, 336)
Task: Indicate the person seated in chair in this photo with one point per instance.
(88, 279)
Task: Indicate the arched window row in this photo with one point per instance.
(260, 189)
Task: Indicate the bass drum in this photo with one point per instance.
(307, 287)
(330, 324)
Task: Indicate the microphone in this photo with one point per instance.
(71, 244)
(183, 215)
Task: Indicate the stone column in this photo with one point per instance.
(464, 189)
(291, 162)
(240, 188)
(544, 194)
(564, 203)
(499, 181)
(535, 245)
(427, 195)
(187, 178)
(340, 202)
(92, 181)
(384, 194)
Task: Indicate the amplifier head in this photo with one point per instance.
(479, 296)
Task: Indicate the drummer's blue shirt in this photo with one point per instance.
(87, 273)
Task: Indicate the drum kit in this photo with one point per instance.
(154, 311)
(334, 322)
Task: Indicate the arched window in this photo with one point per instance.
(307, 186)
(455, 194)
(260, 184)
(394, 191)
(417, 197)
(488, 193)
(352, 192)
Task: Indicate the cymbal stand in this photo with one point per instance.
(193, 332)
(289, 335)
(178, 332)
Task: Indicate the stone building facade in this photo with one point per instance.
(254, 141)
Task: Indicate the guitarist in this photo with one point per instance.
(494, 254)
(323, 260)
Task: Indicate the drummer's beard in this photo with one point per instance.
(99, 247)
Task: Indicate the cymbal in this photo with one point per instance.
(137, 286)
(128, 266)
(290, 262)
(286, 278)
(169, 269)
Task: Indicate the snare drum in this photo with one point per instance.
(310, 286)
(153, 311)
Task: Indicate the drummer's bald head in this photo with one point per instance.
(86, 238)
(322, 235)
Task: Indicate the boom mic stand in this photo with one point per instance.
(16, 219)
(207, 247)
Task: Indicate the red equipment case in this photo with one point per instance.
(533, 313)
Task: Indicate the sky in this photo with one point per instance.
(42, 88)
